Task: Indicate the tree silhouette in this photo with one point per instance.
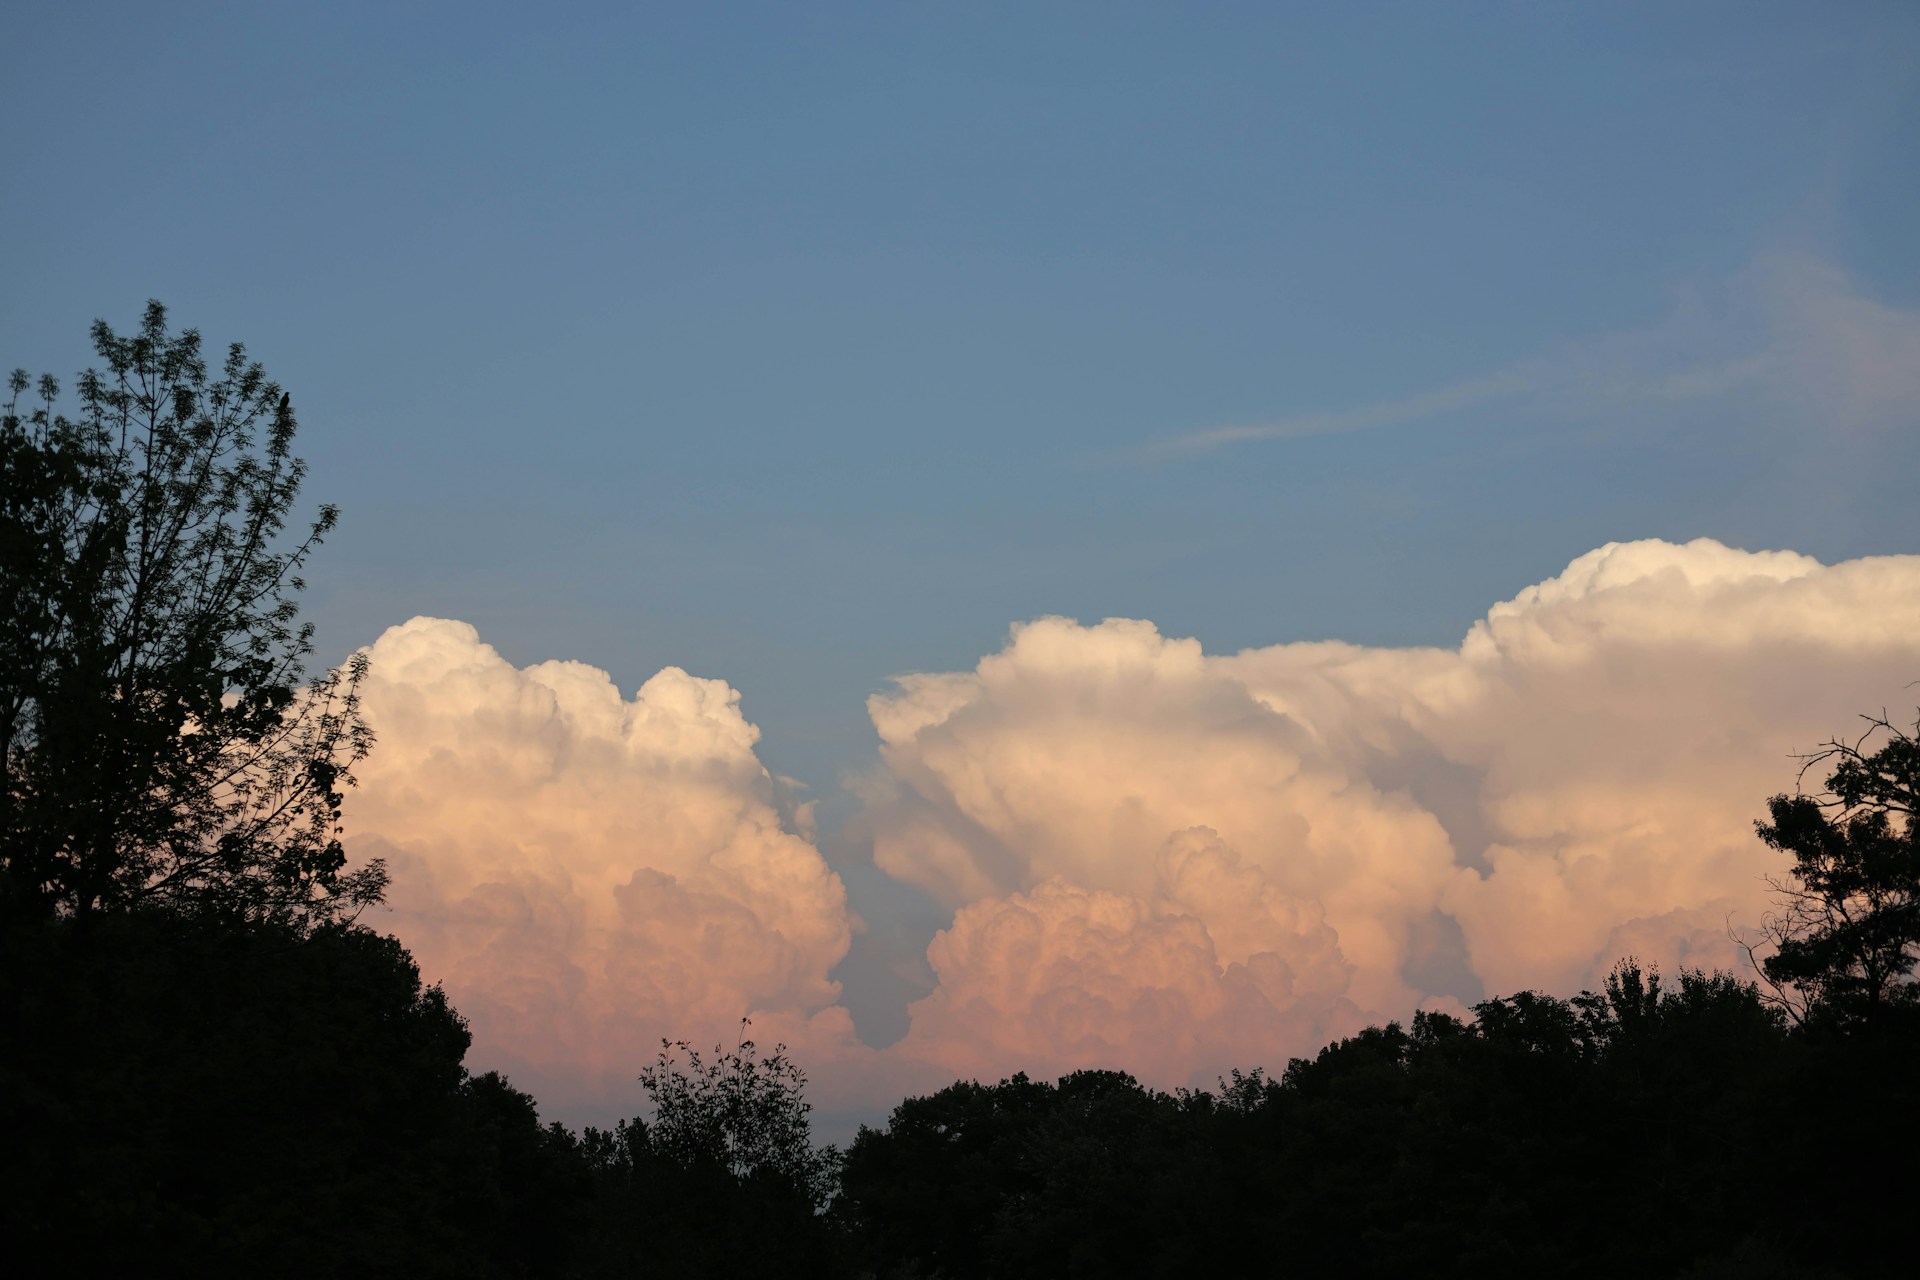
(739, 1112)
(190, 1094)
(159, 744)
(724, 1181)
(1623, 1132)
(1846, 933)
(205, 1066)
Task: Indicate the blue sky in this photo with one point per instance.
(807, 345)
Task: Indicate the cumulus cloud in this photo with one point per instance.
(1159, 858)
(1062, 976)
(588, 873)
(1154, 858)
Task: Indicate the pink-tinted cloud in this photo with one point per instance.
(1212, 971)
(1576, 780)
(588, 873)
(1155, 858)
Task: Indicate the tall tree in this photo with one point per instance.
(1846, 934)
(160, 743)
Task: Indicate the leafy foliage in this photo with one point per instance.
(159, 744)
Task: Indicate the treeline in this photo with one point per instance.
(194, 1094)
(205, 1095)
(1641, 1131)
(208, 1067)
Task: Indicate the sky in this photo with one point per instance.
(774, 403)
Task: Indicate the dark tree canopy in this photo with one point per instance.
(197, 1095)
(725, 1179)
(1630, 1131)
(160, 743)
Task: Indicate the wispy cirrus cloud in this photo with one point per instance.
(1789, 340)
(1427, 404)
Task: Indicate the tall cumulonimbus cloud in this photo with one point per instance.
(588, 874)
(1170, 861)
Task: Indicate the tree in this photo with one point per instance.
(192, 1095)
(723, 1181)
(1631, 1131)
(741, 1113)
(1846, 934)
(160, 747)
(1845, 937)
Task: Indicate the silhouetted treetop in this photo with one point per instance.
(1846, 932)
(160, 744)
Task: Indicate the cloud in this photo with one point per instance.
(1061, 976)
(587, 873)
(1162, 859)
(1414, 408)
(1788, 342)
(1154, 858)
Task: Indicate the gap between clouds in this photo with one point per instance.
(1156, 858)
